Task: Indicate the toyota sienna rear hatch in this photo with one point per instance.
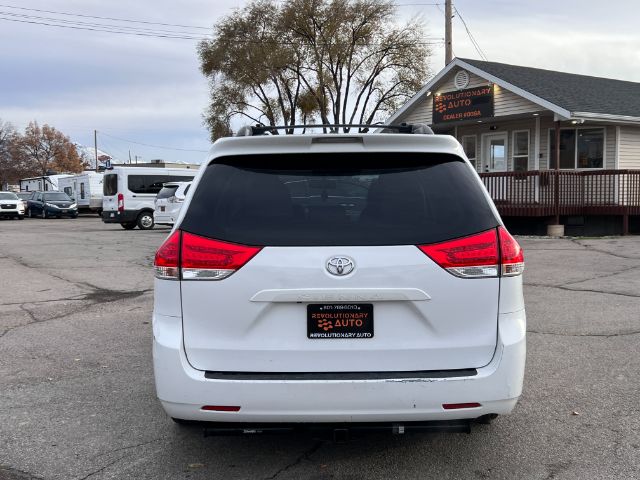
(371, 262)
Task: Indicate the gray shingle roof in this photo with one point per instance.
(576, 93)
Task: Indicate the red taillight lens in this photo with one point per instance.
(470, 257)
(167, 260)
(120, 202)
(199, 258)
(512, 257)
(208, 259)
(486, 254)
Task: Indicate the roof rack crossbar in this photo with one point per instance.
(259, 129)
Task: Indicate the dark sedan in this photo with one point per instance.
(52, 204)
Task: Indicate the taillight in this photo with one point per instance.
(487, 254)
(120, 202)
(511, 255)
(469, 257)
(191, 257)
(167, 260)
(207, 259)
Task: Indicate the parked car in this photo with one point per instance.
(52, 204)
(386, 291)
(169, 201)
(24, 197)
(129, 193)
(11, 206)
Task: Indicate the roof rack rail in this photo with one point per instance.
(259, 129)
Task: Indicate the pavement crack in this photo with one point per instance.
(304, 456)
(592, 248)
(104, 467)
(598, 277)
(18, 474)
(128, 447)
(606, 335)
(588, 290)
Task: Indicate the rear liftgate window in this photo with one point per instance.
(337, 199)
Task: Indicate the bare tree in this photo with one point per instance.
(341, 61)
(48, 149)
(12, 166)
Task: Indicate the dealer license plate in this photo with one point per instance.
(344, 320)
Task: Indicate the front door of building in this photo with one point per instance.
(494, 153)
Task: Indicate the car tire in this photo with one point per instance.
(20, 217)
(128, 225)
(30, 213)
(145, 221)
(44, 214)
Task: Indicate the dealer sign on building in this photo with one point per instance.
(469, 104)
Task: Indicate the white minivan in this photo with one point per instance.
(129, 193)
(348, 280)
(169, 202)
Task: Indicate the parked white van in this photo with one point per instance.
(85, 188)
(169, 202)
(129, 193)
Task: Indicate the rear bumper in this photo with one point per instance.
(183, 390)
(126, 216)
(163, 218)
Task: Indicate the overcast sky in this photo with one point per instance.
(149, 90)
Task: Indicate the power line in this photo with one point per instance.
(471, 37)
(150, 145)
(73, 27)
(118, 30)
(99, 25)
(105, 18)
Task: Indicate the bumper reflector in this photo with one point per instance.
(456, 406)
(220, 408)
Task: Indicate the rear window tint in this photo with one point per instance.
(167, 192)
(110, 184)
(355, 199)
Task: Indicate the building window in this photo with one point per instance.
(82, 191)
(579, 148)
(521, 150)
(469, 145)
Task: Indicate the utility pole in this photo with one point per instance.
(95, 146)
(129, 157)
(448, 33)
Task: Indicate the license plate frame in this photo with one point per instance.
(340, 321)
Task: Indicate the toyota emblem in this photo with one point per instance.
(340, 266)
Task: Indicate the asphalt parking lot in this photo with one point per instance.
(77, 398)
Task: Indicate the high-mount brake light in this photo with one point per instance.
(487, 254)
(192, 257)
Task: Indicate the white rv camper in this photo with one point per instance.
(44, 183)
(85, 188)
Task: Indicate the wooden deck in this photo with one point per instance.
(539, 193)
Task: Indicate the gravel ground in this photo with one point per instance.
(77, 399)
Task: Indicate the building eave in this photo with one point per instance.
(606, 117)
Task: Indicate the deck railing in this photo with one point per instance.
(565, 192)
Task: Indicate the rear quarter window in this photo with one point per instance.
(355, 199)
(152, 184)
